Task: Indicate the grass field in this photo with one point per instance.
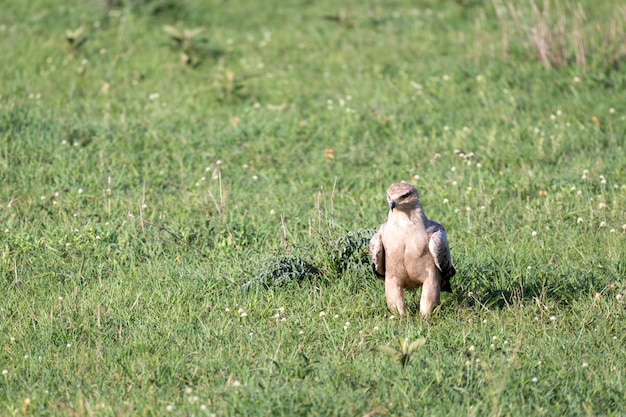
(184, 213)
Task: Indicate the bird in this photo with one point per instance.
(410, 250)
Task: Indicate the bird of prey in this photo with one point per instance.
(410, 251)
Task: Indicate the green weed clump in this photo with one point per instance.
(185, 214)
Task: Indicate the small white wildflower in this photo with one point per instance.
(445, 201)
(580, 220)
(585, 174)
(153, 96)
(376, 328)
(227, 310)
(69, 345)
(479, 165)
(452, 168)
(585, 364)
(552, 318)
(284, 319)
(602, 224)
(552, 117)
(255, 178)
(392, 317)
(243, 314)
(236, 384)
(471, 348)
(534, 233)
(612, 110)
(601, 206)
(301, 332)
(322, 314)
(535, 379)
(445, 77)
(169, 407)
(347, 324)
(5, 372)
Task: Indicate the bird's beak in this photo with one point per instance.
(393, 204)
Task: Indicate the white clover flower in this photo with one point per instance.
(322, 314)
(534, 233)
(535, 379)
(580, 220)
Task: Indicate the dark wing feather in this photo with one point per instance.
(377, 253)
(440, 251)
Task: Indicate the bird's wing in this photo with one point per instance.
(440, 251)
(377, 253)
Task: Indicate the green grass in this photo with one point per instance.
(147, 204)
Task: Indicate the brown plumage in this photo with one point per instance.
(410, 251)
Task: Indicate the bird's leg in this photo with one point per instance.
(395, 295)
(430, 296)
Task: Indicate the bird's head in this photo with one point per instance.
(402, 196)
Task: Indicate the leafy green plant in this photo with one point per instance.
(185, 40)
(76, 38)
(402, 353)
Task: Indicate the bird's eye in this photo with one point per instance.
(405, 196)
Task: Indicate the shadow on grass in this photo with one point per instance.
(497, 286)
